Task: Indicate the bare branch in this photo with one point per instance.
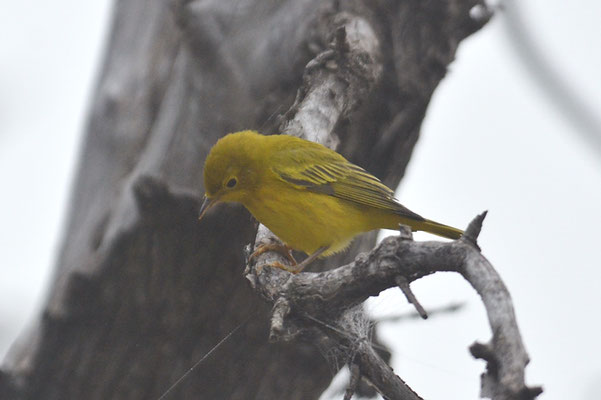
(336, 79)
(381, 375)
(406, 289)
(353, 382)
(326, 296)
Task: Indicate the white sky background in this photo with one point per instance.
(491, 140)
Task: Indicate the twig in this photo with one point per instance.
(381, 375)
(402, 283)
(353, 382)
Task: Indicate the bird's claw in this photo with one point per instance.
(278, 248)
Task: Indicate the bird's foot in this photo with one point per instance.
(278, 248)
(275, 264)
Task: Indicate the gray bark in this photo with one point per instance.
(141, 291)
(308, 301)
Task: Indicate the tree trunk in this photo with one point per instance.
(141, 290)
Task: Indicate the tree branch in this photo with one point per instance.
(336, 80)
(327, 295)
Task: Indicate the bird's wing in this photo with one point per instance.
(327, 172)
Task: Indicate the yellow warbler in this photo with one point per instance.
(311, 197)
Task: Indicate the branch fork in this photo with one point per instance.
(310, 300)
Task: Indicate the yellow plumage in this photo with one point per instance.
(308, 195)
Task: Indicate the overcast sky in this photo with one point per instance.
(492, 140)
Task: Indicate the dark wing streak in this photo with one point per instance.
(376, 200)
(348, 182)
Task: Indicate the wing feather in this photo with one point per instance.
(321, 170)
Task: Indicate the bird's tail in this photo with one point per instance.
(438, 229)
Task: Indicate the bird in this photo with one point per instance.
(311, 197)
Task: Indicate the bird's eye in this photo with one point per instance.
(231, 183)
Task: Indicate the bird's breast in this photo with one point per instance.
(307, 221)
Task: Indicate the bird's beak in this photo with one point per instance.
(206, 204)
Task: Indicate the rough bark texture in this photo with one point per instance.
(141, 290)
(307, 301)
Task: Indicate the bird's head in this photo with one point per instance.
(230, 171)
